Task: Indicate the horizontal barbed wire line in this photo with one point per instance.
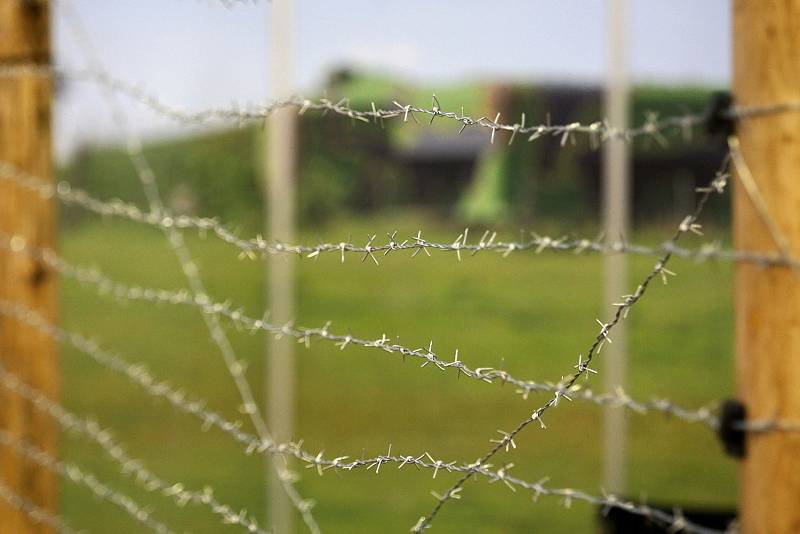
(74, 423)
(583, 368)
(128, 465)
(108, 286)
(105, 285)
(148, 180)
(37, 514)
(250, 246)
(80, 477)
(253, 444)
(597, 131)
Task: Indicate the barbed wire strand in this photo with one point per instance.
(600, 130)
(80, 477)
(124, 292)
(146, 478)
(583, 368)
(148, 180)
(35, 513)
(373, 250)
(597, 131)
(425, 460)
(253, 444)
(105, 285)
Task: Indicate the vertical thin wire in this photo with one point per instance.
(147, 178)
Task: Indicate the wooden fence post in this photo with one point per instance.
(767, 70)
(25, 142)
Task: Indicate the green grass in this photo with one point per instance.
(529, 314)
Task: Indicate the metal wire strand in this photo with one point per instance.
(35, 513)
(250, 247)
(80, 477)
(597, 131)
(147, 179)
(92, 430)
(106, 286)
(252, 444)
(121, 291)
(583, 368)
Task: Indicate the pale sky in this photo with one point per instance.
(197, 53)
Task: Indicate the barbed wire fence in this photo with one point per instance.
(216, 314)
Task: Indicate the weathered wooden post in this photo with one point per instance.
(766, 43)
(25, 96)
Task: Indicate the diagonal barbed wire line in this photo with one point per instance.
(371, 249)
(252, 444)
(583, 368)
(618, 398)
(35, 513)
(423, 461)
(91, 429)
(119, 290)
(137, 373)
(72, 422)
(147, 178)
(80, 477)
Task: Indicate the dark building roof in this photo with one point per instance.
(443, 146)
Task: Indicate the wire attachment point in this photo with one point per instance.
(732, 416)
(719, 117)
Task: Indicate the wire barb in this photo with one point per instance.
(80, 477)
(659, 269)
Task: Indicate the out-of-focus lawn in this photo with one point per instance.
(529, 314)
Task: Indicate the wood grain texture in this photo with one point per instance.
(767, 70)
(26, 143)
(24, 30)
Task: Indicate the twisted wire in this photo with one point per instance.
(89, 481)
(597, 131)
(600, 130)
(177, 491)
(253, 444)
(34, 512)
(372, 250)
(147, 178)
(108, 286)
(583, 368)
(105, 285)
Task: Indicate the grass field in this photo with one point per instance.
(529, 314)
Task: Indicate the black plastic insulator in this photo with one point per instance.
(732, 416)
(719, 114)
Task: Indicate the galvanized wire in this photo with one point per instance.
(105, 285)
(372, 249)
(178, 492)
(252, 444)
(583, 368)
(37, 514)
(597, 131)
(148, 180)
(119, 290)
(80, 477)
